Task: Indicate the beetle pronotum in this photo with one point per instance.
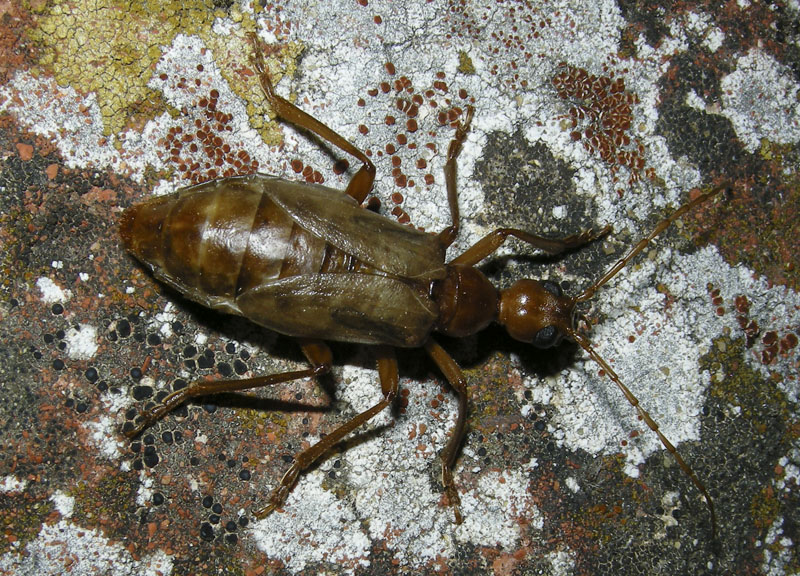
(308, 261)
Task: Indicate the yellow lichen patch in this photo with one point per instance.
(465, 65)
(110, 48)
(740, 386)
(233, 55)
(764, 508)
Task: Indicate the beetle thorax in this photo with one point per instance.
(467, 301)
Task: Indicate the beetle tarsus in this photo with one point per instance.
(275, 503)
(591, 235)
(462, 129)
(146, 418)
(265, 511)
(279, 494)
(454, 501)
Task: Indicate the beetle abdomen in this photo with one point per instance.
(219, 239)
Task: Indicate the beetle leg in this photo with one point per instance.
(361, 183)
(387, 371)
(492, 241)
(449, 234)
(453, 373)
(318, 354)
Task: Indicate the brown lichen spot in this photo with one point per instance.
(200, 143)
(789, 342)
(25, 151)
(453, 116)
(601, 117)
(403, 104)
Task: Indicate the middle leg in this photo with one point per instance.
(457, 380)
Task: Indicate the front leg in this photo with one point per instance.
(449, 234)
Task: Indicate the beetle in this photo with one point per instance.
(310, 262)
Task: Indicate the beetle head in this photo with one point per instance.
(536, 312)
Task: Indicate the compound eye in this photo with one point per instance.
(553, 288)
(547, 337)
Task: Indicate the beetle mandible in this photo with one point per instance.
(310, 262)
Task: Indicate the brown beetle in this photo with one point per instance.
(310, 262)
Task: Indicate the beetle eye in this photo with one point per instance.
(553, 288)
(547, 337)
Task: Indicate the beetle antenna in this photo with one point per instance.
(666, 222)
(584, 343)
